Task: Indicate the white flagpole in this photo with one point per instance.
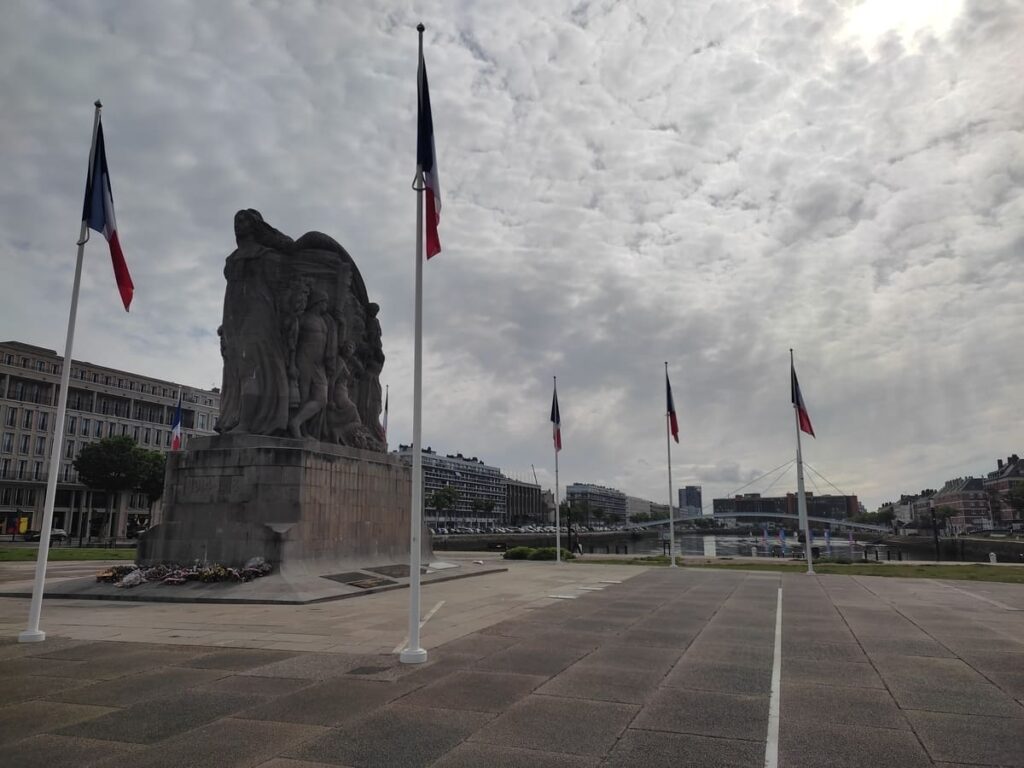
(668, 450)
(32, 634)
(558, 523)
(801, 497)
(413, 653)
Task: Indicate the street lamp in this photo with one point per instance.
(935, 529)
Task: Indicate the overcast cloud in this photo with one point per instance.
(708, 183)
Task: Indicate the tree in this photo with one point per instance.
(112, 465)
(152, 465)
(443, 500)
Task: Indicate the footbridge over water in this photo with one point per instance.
(783, 515)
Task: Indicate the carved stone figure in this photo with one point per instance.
(300, 340)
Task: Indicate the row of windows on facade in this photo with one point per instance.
(14, 496)
(21, 471)
(88, 427)
(78, 400)
(102, 378)
(141, 435)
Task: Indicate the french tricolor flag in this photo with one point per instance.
(98, 214)
(426, 159)
(176, 427)
(673, 421)
(803, 418)
(556, 422)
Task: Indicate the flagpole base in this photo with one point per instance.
(810, 572)
(413, 656)
(31, 636)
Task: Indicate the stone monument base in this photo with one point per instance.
(308, 508)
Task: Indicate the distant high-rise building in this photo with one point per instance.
(690, 501)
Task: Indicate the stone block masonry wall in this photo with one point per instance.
(294, 502)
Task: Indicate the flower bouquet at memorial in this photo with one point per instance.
(174, 574)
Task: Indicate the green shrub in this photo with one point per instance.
(519, 553)
(548, 553)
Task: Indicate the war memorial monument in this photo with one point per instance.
(298, 473)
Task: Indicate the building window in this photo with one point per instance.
(22, 470)
(67, 472)
(124, 430)
(18, 492)
(168, 439)
(44, 420)
(9, 359)
(40, 446)
(72, 425)
(146, 433)
(5, 467)
(69, 449)
(99, 429)
(135, 434)
(40, 365)
(202, 421)
(27, 419)
(5, 495)
(23, 443)
(38, 473)
(85, 427)
(8, 446)
(30, 497)
(12, 417)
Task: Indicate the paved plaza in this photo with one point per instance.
(544, 665)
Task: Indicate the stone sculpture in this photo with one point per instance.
(300, 340)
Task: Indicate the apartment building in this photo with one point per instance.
(102, 402)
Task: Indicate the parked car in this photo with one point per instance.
(56, 534)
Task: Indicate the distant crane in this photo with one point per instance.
(535, 480)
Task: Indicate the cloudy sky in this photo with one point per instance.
(708, 183)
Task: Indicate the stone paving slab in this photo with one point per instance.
(394, 736)
(868, 673)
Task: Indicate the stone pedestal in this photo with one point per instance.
(304, 506)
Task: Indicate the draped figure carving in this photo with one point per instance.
(300, 340)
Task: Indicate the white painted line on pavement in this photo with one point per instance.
(591, 589)
(608, 581)
(771, 748)
(424, 620)
(988, 600)
(563, 597)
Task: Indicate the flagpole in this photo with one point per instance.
(32, 634)
(413, 653)
(801, 497)
(668, 451)
(387, 392)
(558, 524)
